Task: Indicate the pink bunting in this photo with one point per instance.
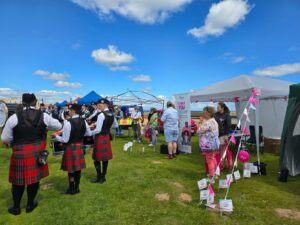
(236, 99)
(229, 181)
(256, 92)
(253, 100)
(245, 131)
(210, 190)
(232, 139)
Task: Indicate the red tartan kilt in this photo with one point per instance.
(73, 158)
(24, 168)
(102, 148)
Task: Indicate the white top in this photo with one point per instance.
(7, 134)
(99, 123)
(66, 132)
(94, 114)
(2, 114)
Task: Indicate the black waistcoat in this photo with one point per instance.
(78, 130)
(30, 128)
(107, 123)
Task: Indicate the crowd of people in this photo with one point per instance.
(26, 132)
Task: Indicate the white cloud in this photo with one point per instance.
(51, 76)
(140, 78)
(67, 84)
(51, 96)
(119, 68)
(76, 45)
(41, 73)
(147, 90)
(294, 49)
(111, 56)
(221, 16)
(143, 11)
(161, 97)
(48, 96)
(277, 71)
(7, 92)
(237, 59)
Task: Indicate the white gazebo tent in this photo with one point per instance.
(269, 112)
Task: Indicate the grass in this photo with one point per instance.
(128, 196)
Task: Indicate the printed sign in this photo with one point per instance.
(202, 184)
(203, 195)
(247, 173)
(183, 107)
(223, 184)
(248, 166)
(226, 205)
(229, 178)
(237, 175)
(254, 169)
(210, 199)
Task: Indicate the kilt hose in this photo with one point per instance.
(102, 148)
(24, 168)
(73, 158)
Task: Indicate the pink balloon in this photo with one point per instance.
(243, 156)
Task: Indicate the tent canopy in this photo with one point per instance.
(290, 154)
(241, 87)
(62, 104)
(89, 98)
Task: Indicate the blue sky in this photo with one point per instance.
(63, 48)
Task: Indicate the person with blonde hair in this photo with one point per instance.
(209, 139)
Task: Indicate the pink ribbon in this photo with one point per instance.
(232, 139)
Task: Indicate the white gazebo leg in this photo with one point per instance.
(257, 123)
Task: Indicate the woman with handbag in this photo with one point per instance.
(209, 140)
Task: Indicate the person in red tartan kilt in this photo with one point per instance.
(73, 160)
(26, 131)
(102, 146)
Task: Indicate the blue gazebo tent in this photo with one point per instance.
(89, 98)
(62, 104)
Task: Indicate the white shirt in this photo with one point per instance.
(94, 114)
(66, 132)
(99, 123)
(3, 114)
(7, 134)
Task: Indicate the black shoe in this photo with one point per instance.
(14, 210)
(97, 180)
(76, 191)
(69, 192)
(102, 179)
(30, 208)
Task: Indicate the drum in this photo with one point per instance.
(88, 141)
(58, 147)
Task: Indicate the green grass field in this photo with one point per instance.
(133, 180)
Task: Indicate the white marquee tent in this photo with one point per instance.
(270, 111)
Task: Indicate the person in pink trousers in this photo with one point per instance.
(208, 140)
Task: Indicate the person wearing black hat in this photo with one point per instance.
(73, 160)
(26, 131)
(93, 117)
(102, 146)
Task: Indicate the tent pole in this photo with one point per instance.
(257, 122)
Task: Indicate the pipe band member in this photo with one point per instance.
(102, 146)
(26, 130)
(73, 160)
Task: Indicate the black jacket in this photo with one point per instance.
(224, 122)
